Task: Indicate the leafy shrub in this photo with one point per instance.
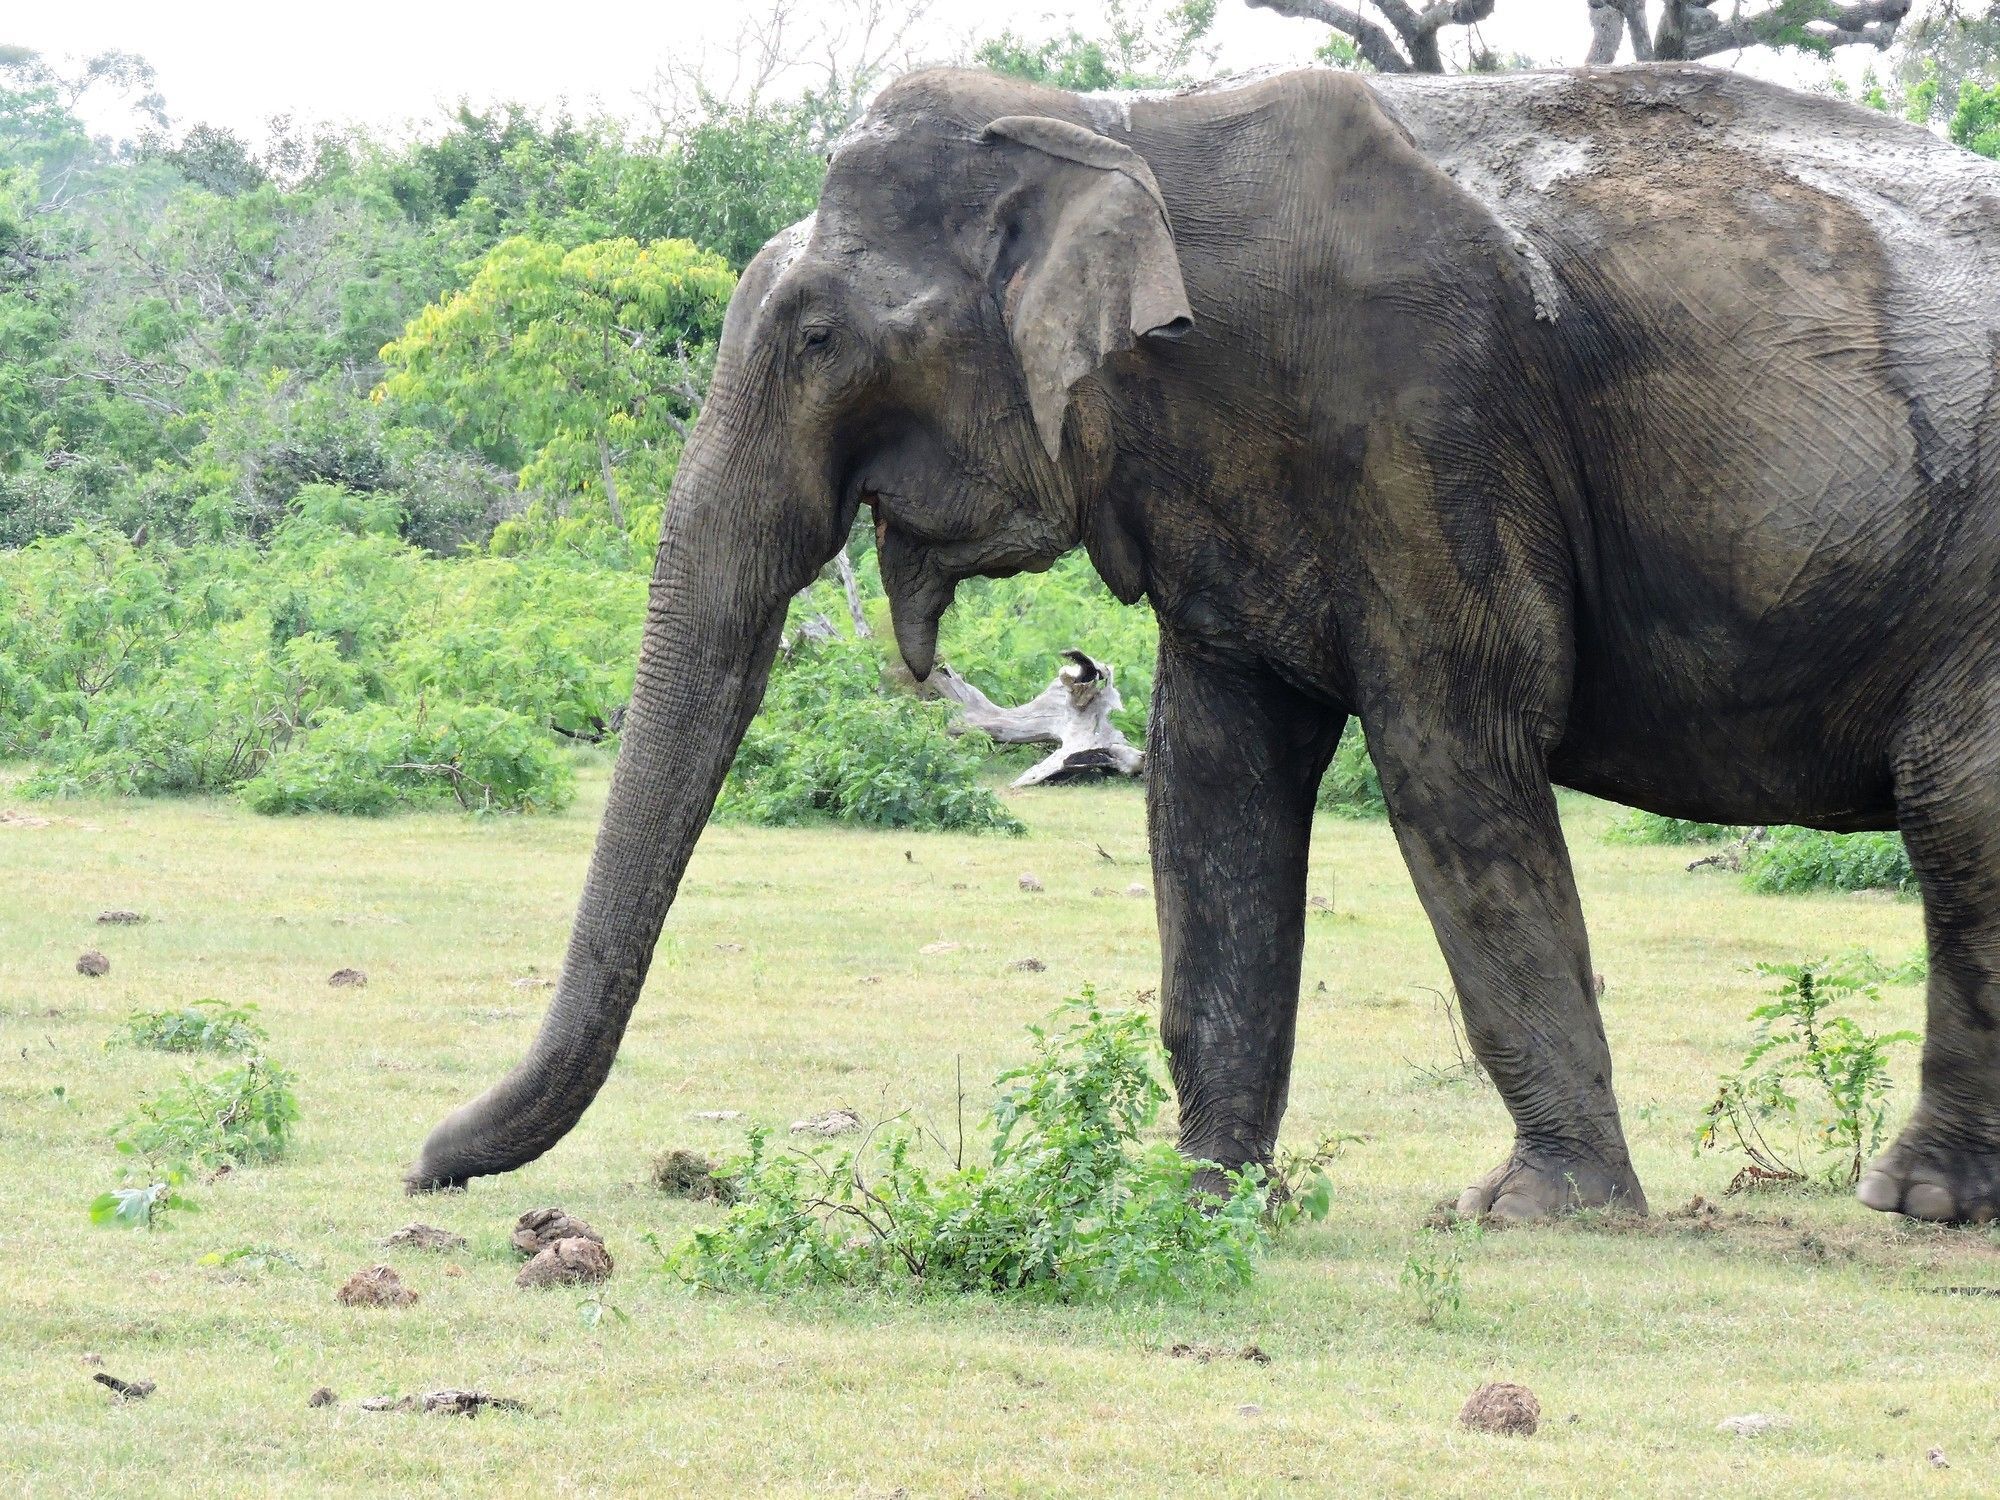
(1816, 1080)
(1805, 859)
(1073, 1206)
(1351, 788)
(379, 757)
(1640, 827)
(238, 1116)
(205, 1026)
(829, 743)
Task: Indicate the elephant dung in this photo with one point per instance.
(575, 1261)
(1029, 883)
(323, 1396)
(425, 1237)
(833, 1122)
(539, 1228)
(375, 1286)
(689, 1174)
(1502, 1407)
(93, 964)
(119, 918)
(347, 979)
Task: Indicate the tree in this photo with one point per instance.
(1146, 46)
(582, 368)
(1399, 36)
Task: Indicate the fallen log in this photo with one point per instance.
(1073, 713)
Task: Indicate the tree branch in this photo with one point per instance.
(1371, 40)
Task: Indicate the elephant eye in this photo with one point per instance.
(814, 340)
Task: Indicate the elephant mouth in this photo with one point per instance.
(919, 591)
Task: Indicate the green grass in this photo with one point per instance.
(1638, 1339)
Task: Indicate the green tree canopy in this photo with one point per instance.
(581, 369)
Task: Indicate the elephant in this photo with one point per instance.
(1632, 430)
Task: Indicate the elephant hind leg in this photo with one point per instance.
(1946, 1163)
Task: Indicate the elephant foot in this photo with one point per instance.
(1929, 1173)
(1539, 1182)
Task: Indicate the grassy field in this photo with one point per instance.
(793, 979)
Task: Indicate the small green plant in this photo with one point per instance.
(1074, 1205)
(249, 1260)
(1300, 1190)
(240, 1115)
(1638, 827)
(1816, 1080)
(204, 1026)
(144, 1207)
(1434, 1272)
(1806, 859)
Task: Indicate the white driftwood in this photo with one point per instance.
(1073, 713)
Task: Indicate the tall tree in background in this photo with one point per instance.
(583, 369)
(1407, 36)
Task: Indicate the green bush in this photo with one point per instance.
(1351, 788)
(382, 757)
(829, 743)
(1639, 827)
(238, 1116)
(1805, 859)
(1073, 1205)
(204, 1026)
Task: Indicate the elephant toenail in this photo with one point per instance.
(1926, 1200)
(1881, 1192)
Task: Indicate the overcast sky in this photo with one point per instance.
(389, 63)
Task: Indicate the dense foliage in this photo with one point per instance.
(1805, 859)
(1072, 1205)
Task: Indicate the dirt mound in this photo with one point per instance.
(829, 1123)
(425, 1237)
(539, 1228)
(93, 963)
(1502, 1407)
(375, 1286)
(342, 979)
(689, 1174)
(571, 1262)
(118, 917)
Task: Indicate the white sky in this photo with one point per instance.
(386, 64)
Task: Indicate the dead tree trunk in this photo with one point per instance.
(1073, 713)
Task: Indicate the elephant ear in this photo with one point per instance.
(1085, 265)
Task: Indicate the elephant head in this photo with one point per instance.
(914, 346)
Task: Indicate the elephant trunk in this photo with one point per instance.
(729, 560)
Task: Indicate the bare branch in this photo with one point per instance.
(1373, 41)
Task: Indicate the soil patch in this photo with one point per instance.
(425, 1237)
(375, 1286)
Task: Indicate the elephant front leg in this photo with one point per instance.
(1233, 765)
(1479, 830)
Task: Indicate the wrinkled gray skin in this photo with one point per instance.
(1631, 430)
